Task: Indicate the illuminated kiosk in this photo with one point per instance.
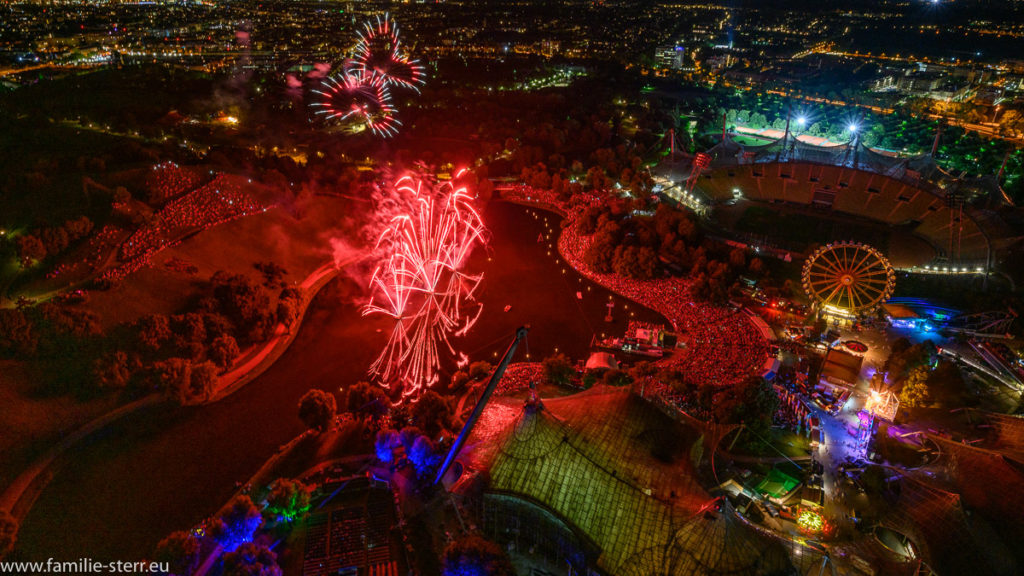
(839, 375)
(848, 278)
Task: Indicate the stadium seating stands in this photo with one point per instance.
(354, 534)
(855, 192)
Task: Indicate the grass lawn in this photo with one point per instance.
(32, 423)
(299, 244)
(781, 442)
(750, 140)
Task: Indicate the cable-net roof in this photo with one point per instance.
(918, 170)
(591, 459)
(990, 486)
(1004, 434)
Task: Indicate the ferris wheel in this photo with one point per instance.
(848, 277)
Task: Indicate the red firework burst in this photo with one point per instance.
(379, 52)
(421, 283)
(355, 96)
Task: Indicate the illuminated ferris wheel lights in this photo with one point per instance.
(848, 278)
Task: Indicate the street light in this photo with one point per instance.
(852, 127)
(802, 121)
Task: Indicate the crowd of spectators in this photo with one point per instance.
(723, 344)
(518, 377)
(219, 201)
(167, 180)
(92, 257)
(724, 347)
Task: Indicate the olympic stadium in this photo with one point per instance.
(934, 221)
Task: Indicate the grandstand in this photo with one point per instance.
(352, 532)
(954, 233)
(962, 218)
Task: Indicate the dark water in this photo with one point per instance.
(167, 468)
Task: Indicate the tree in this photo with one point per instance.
(635, 262)
(288, 499)
(478, 370)
(588, 221)
(946, 384)
(174, 377)
(245, 303)
(424, 456)
(202, 381)
(121, 195)
(558, 369)
(600, 254)
(223, 351)
(180, 551)
(759, 402)
(273, 273)
(114, 371)
(751, 402)
(737, 258)
(915, 388)
(236, 524)
(189, 332)
(459, 379)
(472, 555)
(756, 267)
(30, 249)
(251, 560)
(18, 338)
(287, 312)
(153, 331)
(365, 399)
(385, 444)
(902, 361)
(616, 378)
(8, 533)
(432, 413)
(317, 409)
(596, 179)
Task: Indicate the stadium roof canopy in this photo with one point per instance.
(590, 459)
(982, 192)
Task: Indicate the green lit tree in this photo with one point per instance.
(288, 499)
(915, 388)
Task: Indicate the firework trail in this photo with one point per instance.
(379, 52)
(354, 95)
(421, 282)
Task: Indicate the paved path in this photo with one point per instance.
(261, 359)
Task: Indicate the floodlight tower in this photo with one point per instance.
(854, 129)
